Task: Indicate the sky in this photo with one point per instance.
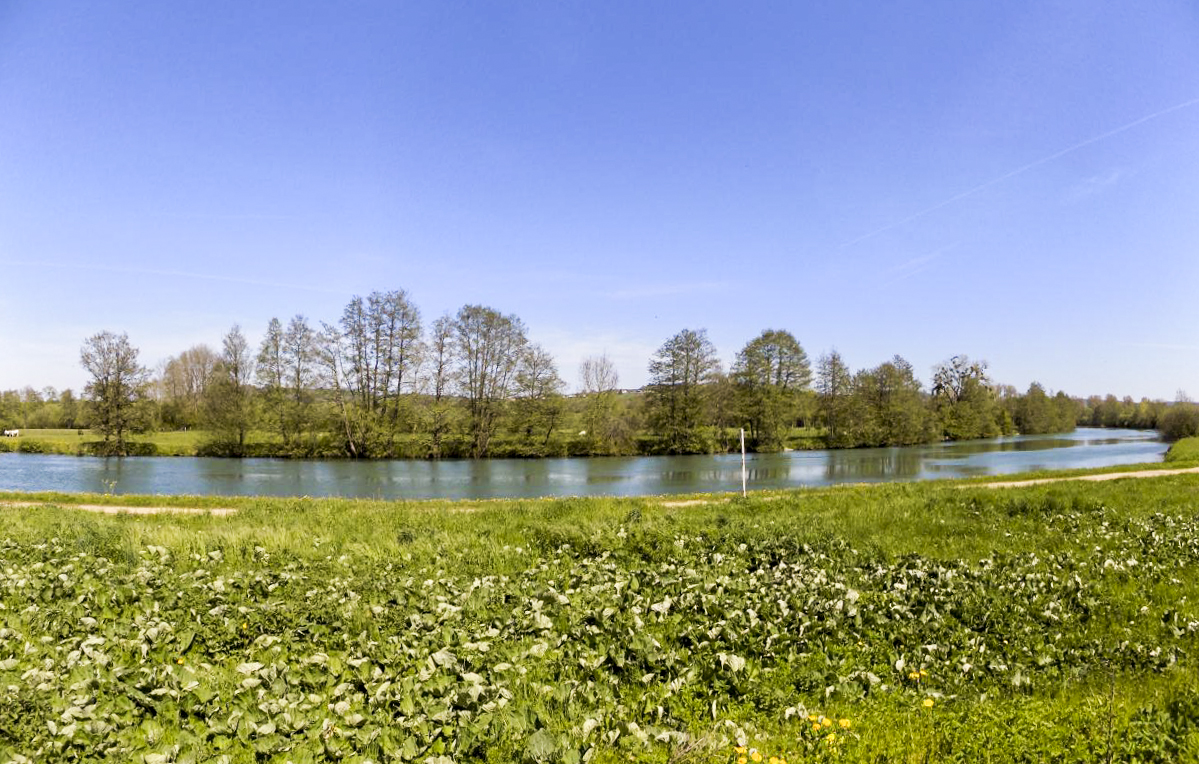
(1018, 181)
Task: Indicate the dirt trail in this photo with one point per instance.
(1003, 484)
(1090, 478)
(113, 509)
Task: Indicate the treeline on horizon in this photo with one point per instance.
(378, 383)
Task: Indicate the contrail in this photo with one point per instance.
(174, 274)
(1021, 170)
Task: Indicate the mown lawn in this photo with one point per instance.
(915, 622)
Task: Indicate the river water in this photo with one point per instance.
(607, 476)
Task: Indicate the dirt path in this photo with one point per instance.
(113, 509)
(1090, 478)
(1003, 484)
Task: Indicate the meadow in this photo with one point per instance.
(916, 622)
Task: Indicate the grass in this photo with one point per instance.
(1058, 622)
(1184, 451)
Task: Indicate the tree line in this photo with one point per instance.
(378, 383)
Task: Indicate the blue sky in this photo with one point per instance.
(1015, 181)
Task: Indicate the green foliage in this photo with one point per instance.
(964, 400)
(889, 409)
(770, 373)
(940, 622)
(677, 396)
(1185, 450)
(1036, 413)
(1181, 420)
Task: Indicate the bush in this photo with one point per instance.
(1180, 421)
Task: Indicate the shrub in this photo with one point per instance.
(1180, 421)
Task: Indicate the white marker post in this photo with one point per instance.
(743, 462)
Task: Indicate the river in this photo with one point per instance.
(606, 476)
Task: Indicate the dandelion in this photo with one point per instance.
(844, 724)
(774, 760)
(740, 750)
(755, 756)
(815, 726)
(827, 722)
(742, 760)
(928, 702)
(180, 661)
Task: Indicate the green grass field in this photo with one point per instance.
(915, 622)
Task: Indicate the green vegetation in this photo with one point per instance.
(939, 621)
(377, 385)
(1185, 450)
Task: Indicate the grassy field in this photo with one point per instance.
(915, 622)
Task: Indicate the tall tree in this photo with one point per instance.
(490, 346)
(229, 399)
(440, 383)
(373, 357)
(963, 399)
(770, 372)
(600, 383)
(538, 405)
(271, 373)
(834, 385)
(300, 364)
(891, 410)
(117, 385)
(184, 382)
(676, 397)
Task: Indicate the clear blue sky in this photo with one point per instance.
(1016, 181)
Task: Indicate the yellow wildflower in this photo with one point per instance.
(742, 760)
(756, 756)
(844, 724)
(815, 727)
(831, 739)
(828, 722)
(740, 749)
(774, 760)
(928, 702)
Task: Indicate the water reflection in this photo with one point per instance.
(511, 478)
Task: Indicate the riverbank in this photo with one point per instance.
(940, 620)
(261, 445)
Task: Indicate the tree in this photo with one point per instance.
(489, 347)
(184, 383)
(117, 385)
(270, 376)
(1036, 413)
(229, 401)
(676, 397)
(287, 371)
(300, 358)
(770, 372)
(373, 358)
(600, 383)
(964, 400)
(440, 383)
(538, 405)
(834, 386)
(891, 410)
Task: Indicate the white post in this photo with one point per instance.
(743, 462)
